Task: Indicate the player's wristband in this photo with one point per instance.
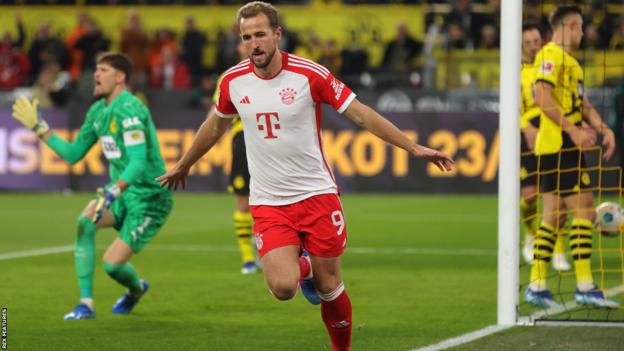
(41, 127)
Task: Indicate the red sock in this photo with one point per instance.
(304, 268)
(337, 317)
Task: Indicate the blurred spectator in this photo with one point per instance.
(46, 49)
(591, 38)
(290, 40)
(354, 57)
(462, 15)
(597, 19)
(226, 48)
(311, 46)
(21, 36)
(193, 45)
(52, 86)
(330, 56)
(135, 43)
(75, 54)
(170, 73)
(489, 38)
(164, 38)
(534, 12)
(617, 40)
(202, 95)
(490, 19)
(92, 43)
(456, 37)
(14, 65)
(401, 51)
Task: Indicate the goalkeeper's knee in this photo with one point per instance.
(85, 226)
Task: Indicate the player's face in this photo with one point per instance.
(106, 79)
(531, 43)
(259, 39)
(575, 24)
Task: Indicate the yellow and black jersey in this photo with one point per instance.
(237, 124)
(558, 68)
(528, 111)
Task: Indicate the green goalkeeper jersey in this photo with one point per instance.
(128, 139)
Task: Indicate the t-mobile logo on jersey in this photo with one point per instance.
(267, 124)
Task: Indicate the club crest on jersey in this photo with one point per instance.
(259, 242)
(113, 127)
(288, 95)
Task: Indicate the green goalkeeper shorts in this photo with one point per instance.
(138, 220)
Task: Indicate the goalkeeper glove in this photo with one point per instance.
(26, 113)
(105, 199)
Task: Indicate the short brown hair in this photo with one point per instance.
(118, 61)
(563, 11)
(255, 8)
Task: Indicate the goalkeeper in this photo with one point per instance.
(132, 202)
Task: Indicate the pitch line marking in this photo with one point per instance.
(36, 252)
(464, 338)
(529, 320)
(230, 248)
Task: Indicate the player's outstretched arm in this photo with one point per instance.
(207, 135)
(27, 113)
(593, 118)
(372, 121)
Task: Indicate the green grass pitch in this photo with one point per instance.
(419, 269)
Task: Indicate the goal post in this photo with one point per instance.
(509, 165)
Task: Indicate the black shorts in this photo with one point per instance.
(239, 177)
(528, 164)
(565, 172)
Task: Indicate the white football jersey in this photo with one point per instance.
(282, 122)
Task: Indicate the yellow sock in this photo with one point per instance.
(542, 254)
(242, 225)
(560, 246)
(581, 247)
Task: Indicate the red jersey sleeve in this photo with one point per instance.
(332, 91)
(224, 106)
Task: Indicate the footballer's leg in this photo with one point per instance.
(84, 259)
(243, 223)
(537, 294)
(559, 260)
(325, 241)
(282, 271)
(117, 265)
(140, 221)
(279, 247)
(528, 216)
(336, 308)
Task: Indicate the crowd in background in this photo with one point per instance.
(164, 59)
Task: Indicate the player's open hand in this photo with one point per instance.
(174, 177)
(608, 141)
(582, 139)
(443, 161)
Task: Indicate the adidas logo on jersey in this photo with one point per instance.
(245, 100)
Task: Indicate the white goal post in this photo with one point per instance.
(509, 165)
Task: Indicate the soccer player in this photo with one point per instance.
(293, 200)
(529, 123)
(559, 93)
(132, 202)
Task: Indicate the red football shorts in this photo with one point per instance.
(316, 223)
